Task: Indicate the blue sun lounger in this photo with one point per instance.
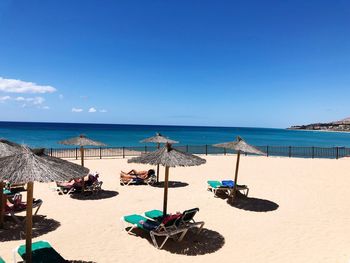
(226, 186)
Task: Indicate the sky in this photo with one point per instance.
(181, 62)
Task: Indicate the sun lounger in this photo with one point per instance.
(95, 187)
(17, 187)
(155, 228)
(226, 186)
(186, 219)
(1, 260)
(64, 189)
(18, 207)
(151, 180)
(42, 252)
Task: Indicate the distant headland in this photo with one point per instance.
(340, 126)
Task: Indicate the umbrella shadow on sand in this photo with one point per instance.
(252, 204)
(171, 184)
(14, 231)
(103, 194)
(194, 244)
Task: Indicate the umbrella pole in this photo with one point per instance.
(29, 222)
(2, 202)
(236, 175)
(82, 164)
(82, 155)
(166, 181)
(158, 167)
(157, 173)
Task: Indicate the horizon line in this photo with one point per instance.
(133, 124)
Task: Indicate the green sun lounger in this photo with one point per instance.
(216, 186)
(1, 260)
(42, 252)
(186, 220)
(154, 228)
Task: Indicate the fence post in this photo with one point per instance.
(206, 149)
(100, 152)
(337, 153)
(145, 148)
(267, 151)
(51, 152)
(187, 148)
(224, 150)
(76, 153)
(313, 152)
(123, 152)
(290, 151)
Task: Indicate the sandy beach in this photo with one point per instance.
(297, 211)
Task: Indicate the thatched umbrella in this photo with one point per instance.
(168, 157)
(81, 141)
(158, 139)
(7, 148)
(240, 146)
(29, 166)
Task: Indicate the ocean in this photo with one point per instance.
(35, 134)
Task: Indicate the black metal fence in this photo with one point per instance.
(122, 152)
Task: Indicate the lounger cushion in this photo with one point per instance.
(1, 260)
(6, 192)
(42, 252)
(134, 219)
(154, 214)
(214, 184)
(228, 183)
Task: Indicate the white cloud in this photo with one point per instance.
(19, 86)
(103, 110)
(60, 97)
(92, 109)
(77, 110)
(4, 98)
(45, 108)
(34, 101)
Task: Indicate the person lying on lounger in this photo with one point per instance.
(77, 182)
(138, 174)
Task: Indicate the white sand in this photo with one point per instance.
(310, 224)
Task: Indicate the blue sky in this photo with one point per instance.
(219, 63)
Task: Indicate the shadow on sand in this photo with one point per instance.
(103, 194)
(194, 244)
(14, 231)
(252, 204)
(171, 184)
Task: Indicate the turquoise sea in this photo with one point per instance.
(48, 134)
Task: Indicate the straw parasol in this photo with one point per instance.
(81, 141)
(240, 146)
(158, 139)
(29, 166)
(6, 148)
(168, 157)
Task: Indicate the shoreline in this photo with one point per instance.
(291, 129)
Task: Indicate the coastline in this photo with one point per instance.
(317, 130)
